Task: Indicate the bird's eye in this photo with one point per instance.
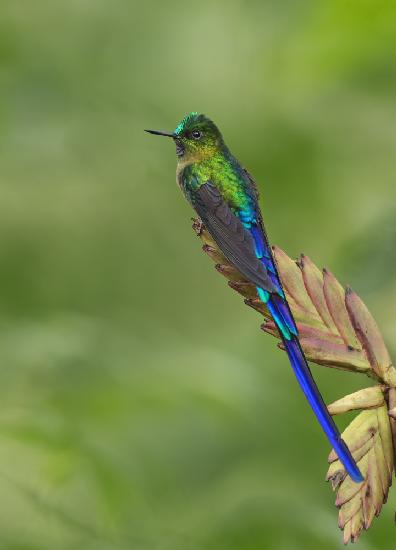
(196, 134)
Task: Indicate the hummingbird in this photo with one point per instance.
(225, 197)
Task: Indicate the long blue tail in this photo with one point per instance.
(282, 317)
(311, 391)
(281, 314)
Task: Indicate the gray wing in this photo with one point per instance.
(228, 232)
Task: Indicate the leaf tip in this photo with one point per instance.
(221, 268)
(197, 225)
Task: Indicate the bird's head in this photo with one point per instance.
(196, 137)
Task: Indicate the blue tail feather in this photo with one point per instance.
(282, 316)
(283, 319)
(310, 389)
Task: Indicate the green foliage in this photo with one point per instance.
(141, 407)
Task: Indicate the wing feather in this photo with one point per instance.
(229, 233)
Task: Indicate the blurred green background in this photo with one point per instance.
(141, 406)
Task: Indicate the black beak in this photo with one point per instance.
(158, 133)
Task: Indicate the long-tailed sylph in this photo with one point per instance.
(225, 197)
